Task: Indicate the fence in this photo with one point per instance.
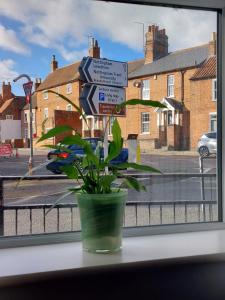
(32, 219)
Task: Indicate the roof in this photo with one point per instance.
(174, 103)
(20, 103)
(135, 64)
(207, 70)
(60, 76)
(176, 60)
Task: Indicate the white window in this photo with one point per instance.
(214, 89)
(170, 85)
(69, 88)
(25, 117)
(9, 117)
(145, 123)
(111, 120)
(69, 107)
(45, 113)
(45, 95)
(213, 122)
(145, 92)
(169, 117)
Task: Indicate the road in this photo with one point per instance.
(158, 189)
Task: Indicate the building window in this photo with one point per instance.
(214, 89)
(25, 117)
(69, 107)
(170, 117)
(45, 113)
(111, 120)
(45, 95)
(170, 85)
(9, 117)
(145, 123)
(213, 122)
(145, 92)
(69, 88)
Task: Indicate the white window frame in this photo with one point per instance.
(170, 85)
(45, 95)
(9, 117)
(69, 107)
(214, 89)
(179, 228)
(145, 122)
(212, 118)
(145, 89)
(69, 89)
(46, 113)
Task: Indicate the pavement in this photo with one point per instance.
(44, 151)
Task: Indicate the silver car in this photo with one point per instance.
(207, 144)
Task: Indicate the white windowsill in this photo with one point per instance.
(69, 256)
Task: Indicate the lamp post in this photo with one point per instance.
(28, 89)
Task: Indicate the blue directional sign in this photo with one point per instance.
(104, 72)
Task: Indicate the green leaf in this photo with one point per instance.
(137, 167)
(58, 200)
(115, 146)
(133, 183)
(150, 103)
(70, 171)
(55, 131)
(74, 139)
(106, 181)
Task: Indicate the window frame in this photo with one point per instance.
(145, 89)
(211, 115)
(169, 85)
(214, 89)
(69, 106)
(9, 117)
(45, 95)
(217, 7)
(145, 122)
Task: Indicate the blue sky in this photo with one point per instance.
(31, 31)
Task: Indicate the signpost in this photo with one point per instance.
(28, 92)
(103, 89)
(104, 72)
(102, 100)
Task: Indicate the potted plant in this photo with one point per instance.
(101, 203)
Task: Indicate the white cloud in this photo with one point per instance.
(9, 41)
(7, 72)
(65, 24)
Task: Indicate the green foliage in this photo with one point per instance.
(90, 171)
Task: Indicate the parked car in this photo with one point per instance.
(207, 144)
(65, 158)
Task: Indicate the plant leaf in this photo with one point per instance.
(106, 181)
(133, 183)
(115, 146)
(151, 103)
(70, 171)
(137, 167)
(58, 200)
(55, 131)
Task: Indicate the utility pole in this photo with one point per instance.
(28, 91)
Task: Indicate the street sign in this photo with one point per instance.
(28, 90)
(5, 150)
(102, 100)
(104, 72)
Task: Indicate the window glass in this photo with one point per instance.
(146, 89)
(145, 125)
(69, 88)
(170, 85)
(69, 107)
(213, 122)
(45, 95)
(214, 89)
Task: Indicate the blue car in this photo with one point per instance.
(65, 158)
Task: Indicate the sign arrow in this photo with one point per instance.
(102, 100)
(104, 72)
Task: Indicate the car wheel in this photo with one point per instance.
(203, 151)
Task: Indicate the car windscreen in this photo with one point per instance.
(211, 135)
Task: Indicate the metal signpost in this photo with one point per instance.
(103, 89)
(28, 91)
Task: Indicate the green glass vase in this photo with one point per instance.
(101, 218)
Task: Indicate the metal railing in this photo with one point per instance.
(32, 219)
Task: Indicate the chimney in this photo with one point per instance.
(212, 45)
(54, 64)
(156, 45)
(6, 91)
(37, 83)
(94, 50)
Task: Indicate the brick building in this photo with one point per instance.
(11, 107)
(177, 80)
(51, 109)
